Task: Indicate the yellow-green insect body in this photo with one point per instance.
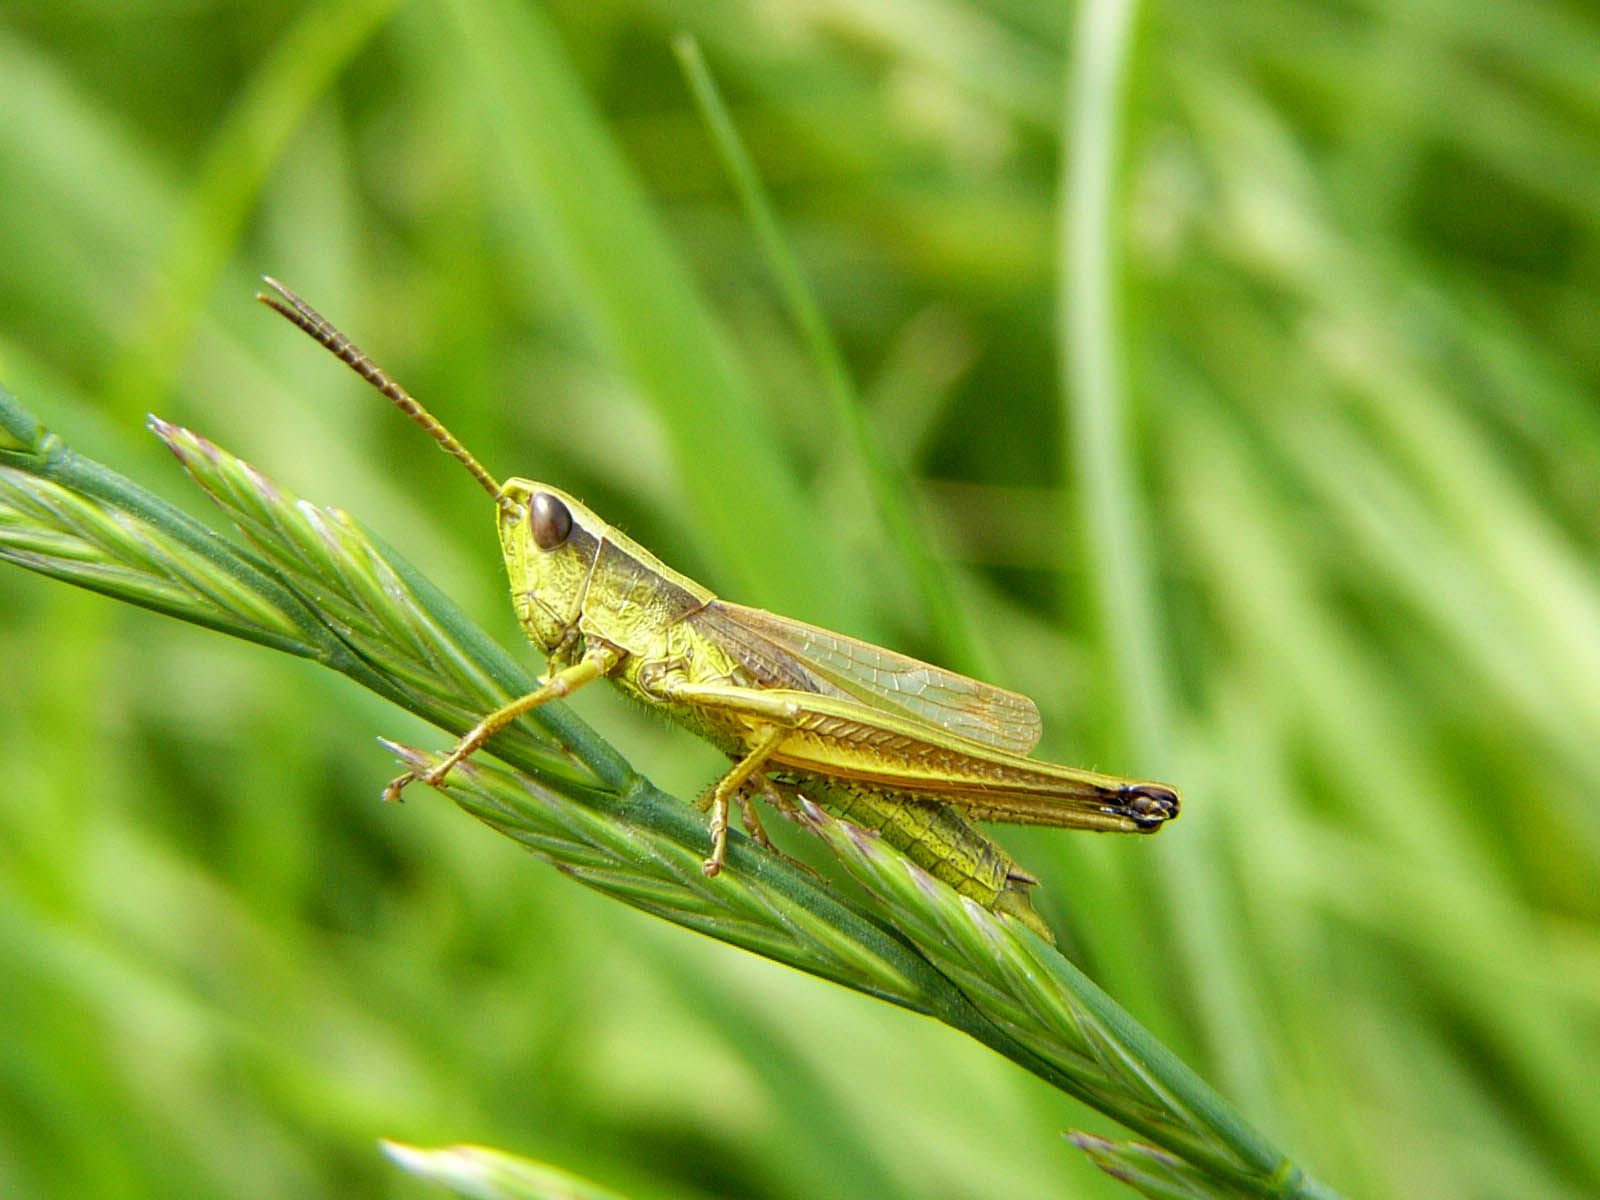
(898, 745)
(645, 609)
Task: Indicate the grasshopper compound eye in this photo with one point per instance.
(549, 520)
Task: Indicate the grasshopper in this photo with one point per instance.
(897, 745)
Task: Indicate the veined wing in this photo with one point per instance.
(843, 738)
(787, 653)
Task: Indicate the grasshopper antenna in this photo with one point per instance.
(290, 306)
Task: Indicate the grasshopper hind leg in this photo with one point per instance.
(751, 820)
(784, 801)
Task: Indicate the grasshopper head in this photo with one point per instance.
(549, 541)
(572, 573)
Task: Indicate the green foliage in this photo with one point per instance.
(483, 1174)
(1348, 264)
(573, 801)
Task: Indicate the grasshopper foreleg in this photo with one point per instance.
(563, 683)
(731, 785)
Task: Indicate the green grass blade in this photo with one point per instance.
(268, 112)
(562, 173)
(71, 519)
(904, 529)
(1151, 1172)
(480, 1173)
(1117, 549)
(1113, 557)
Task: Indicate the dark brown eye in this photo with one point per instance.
(549, 521)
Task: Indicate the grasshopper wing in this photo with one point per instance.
(785, 653)
(842, 738)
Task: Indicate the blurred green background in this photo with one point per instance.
(1357, 335)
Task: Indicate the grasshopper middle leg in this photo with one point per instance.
(731, 785)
